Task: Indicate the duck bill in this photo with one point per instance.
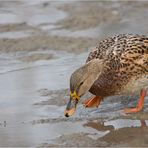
(71, 107)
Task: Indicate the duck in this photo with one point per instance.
(117, 65)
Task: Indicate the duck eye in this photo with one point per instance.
(81, 83)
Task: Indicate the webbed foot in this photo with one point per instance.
(93, 102)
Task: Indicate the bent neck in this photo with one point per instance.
(87, 74)
(94, 66)
(91, 72)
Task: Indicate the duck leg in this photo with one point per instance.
(139, 105)
(93, 102)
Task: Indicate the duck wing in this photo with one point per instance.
(125, 60)
(125, 51)
(99, 52)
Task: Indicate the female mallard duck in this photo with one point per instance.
(117, 66)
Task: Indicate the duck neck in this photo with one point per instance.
(95, 67)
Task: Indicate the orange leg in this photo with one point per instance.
(93, 102)
(139, 105)
(143, 123)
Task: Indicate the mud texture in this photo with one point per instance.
(41, 44)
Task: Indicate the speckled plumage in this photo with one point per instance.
(125, 68)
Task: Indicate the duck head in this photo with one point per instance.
(81, 81)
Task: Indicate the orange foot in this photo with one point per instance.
(139, 105)
(93, 102)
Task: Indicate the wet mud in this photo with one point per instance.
(42, 43)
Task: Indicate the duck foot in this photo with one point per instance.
(93, 102)
(139, 105)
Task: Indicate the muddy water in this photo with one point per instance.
(19, 92)
(129, 21)
(34, 84)
(25, 123)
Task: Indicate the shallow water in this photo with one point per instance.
(34, 93)
(17, 106)
(15, 34)
(29, 13)
(20, 90)
(128, 24)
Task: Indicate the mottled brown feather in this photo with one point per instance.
(126, 65)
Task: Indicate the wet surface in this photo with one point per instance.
(34, 77)
(17, 106)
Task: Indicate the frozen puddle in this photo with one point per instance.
(24, 124)
(15, 34)
(19, 87)
(30, 13)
